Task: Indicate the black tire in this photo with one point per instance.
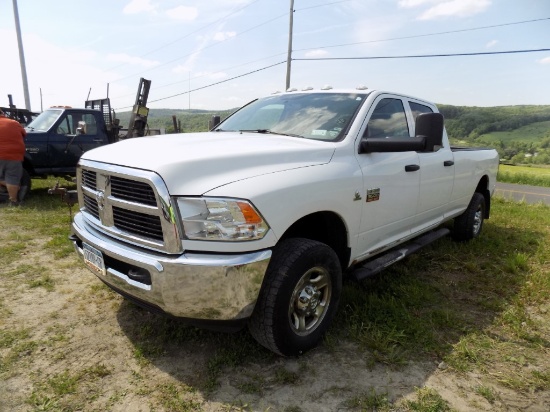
(24, 186)
(468, 225)
(299, 297)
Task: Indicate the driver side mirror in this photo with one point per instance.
(81, 128)
(430, 126)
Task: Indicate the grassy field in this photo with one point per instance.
(457, 326)
(529, 133)
(525, 175)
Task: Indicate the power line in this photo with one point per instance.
(210, 85)
(207, 74)
(372, 41)
(350, 58)
(425, 55)
(322, 5)
(425, 35)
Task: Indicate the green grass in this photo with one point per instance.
(534, 176)
(530, 133)
(428, 400)
(370, 401)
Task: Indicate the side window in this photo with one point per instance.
(418, 108)
(90, 125)
(388, 120)
(66, 124)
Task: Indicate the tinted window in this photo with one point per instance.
(418, 108)
(388, 120)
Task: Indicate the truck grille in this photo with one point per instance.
(89, 179)
(128, 204)
(91, 205)
(133, 191)
(138, 223)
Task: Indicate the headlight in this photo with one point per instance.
(221, 219)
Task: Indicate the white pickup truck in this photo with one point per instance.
(258, 221)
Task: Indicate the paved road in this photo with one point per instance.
(529, 194)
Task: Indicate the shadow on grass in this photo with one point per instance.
(390, 334)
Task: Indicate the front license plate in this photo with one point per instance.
(93, 258)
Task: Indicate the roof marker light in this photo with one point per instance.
(291, 89)
(362, 87)
(305, 89)
(326, 87)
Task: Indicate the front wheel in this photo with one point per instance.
(299, 297)
(469, 224)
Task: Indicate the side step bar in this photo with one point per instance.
(375, 266)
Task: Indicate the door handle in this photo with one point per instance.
(412, 168)
(448, 163)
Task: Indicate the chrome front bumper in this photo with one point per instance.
(191, 285)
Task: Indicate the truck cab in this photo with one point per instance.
(57, 138)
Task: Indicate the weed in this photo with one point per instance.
(9, 337)
(427, 400)
(468, 352)
(177, 398)
(45, 282)
(63, 383)
(370, 401)
(487, 392)
(97, 371)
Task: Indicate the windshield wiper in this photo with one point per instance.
(267, 131)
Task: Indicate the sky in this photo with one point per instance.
(221, 54)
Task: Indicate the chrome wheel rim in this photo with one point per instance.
(478, 220)
(310, 301)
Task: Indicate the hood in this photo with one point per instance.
(194, 163)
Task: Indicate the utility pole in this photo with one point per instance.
(21, 57)
(289, 55)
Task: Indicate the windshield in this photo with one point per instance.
(44, 121)
(318, 116)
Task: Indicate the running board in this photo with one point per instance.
(373, 267)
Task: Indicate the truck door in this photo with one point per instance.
(436, 180)
(66, 143)
(390, 180)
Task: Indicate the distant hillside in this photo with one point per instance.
(472, 122)
(521, 134)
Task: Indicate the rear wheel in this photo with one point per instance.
(469, 224)
(299, 297)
